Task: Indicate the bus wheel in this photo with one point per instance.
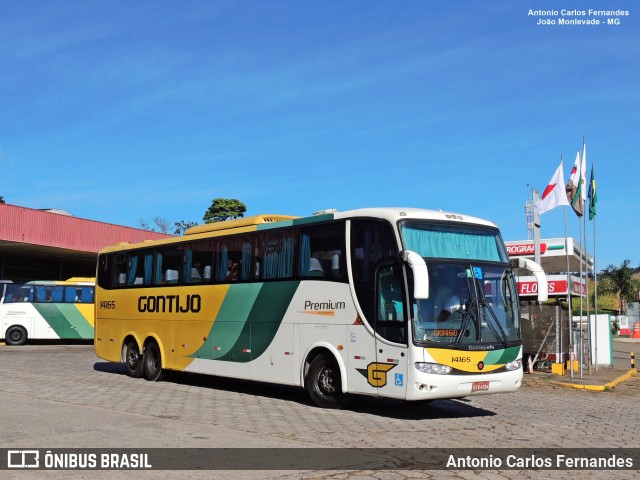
(152, 363)
(323, 382)
(133, 359)
(15, 335)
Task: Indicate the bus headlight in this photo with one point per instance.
(434, 368)
(515, 365)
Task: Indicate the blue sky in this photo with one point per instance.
(126, 110)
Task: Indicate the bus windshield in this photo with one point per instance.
(472, 296)
(468, 304)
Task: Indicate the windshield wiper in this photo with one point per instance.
(478, 301)
(502, 335)
(463, 326)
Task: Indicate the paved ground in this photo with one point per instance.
(56, 396)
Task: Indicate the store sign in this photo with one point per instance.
(524, 249)
(556, 287)
(527, 286)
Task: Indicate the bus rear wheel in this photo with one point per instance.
(16, 335)
(323, 382)
(152, 362)
(133, 359)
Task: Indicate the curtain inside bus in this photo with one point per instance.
(439, 242)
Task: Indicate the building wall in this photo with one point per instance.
(35, 227)
(41, 245)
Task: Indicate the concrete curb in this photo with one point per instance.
(601, 388)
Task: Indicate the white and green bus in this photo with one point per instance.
(47, 310)
(391, 302)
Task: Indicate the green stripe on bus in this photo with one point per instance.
(230, 322)
(296, 222)
(78, 322)
(267, 314)
(500, 357)
(65, 320)
(250, 324)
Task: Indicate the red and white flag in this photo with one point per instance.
(583, 173)
(554, 195)
(575, 187)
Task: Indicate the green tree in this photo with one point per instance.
(619, 282)
(1, 199)
(222, 209)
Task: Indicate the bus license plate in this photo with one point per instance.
(479, 386)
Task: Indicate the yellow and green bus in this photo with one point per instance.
(402, 303)
(47, 310)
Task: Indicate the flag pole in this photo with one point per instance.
(586, 264)
(592, 216)
(569, 313)
(583, 191)
(595, 294)
(586, 279)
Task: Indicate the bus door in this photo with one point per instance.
(390, 370)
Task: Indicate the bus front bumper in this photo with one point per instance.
(429, 387)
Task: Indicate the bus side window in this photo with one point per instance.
(233, 259)
(49, 294)
(119, 279)
(390, 322)
(198, 262)
(279, 254)
(105, 264)
(75, 294)
(321, 252)
(19, 293)
(371, 242)
(168, 265)
(140, 269)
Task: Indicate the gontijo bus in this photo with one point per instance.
(403, 303)
(47, 310)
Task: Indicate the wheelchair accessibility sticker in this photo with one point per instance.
(399, 380)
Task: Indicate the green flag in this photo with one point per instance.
(592, 196)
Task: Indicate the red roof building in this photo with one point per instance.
(47, 245)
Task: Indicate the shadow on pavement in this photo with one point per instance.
(383, 407)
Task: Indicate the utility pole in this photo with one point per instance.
(536, 228)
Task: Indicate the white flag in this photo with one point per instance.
(583, 173)
(554, 195)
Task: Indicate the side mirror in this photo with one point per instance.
(420, 274)
(541, 278)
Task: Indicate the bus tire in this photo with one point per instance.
(152, 362)
(323, 382)
(15, 335)
(133, 359)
